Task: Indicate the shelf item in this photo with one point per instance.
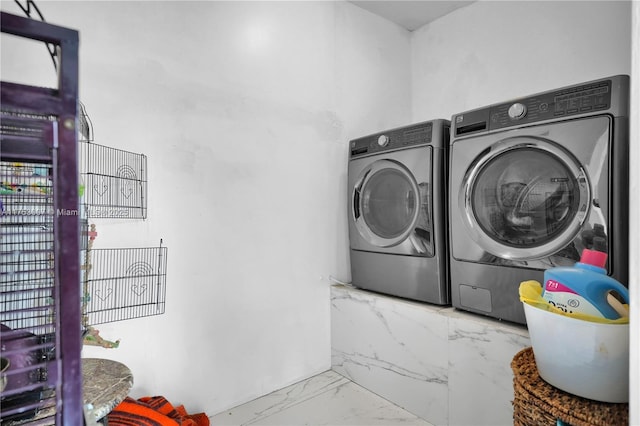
(105, 384)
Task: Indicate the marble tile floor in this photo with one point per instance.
(325, 399)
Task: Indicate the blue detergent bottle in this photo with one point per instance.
(583, 287)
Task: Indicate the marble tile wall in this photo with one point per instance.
(441, 364)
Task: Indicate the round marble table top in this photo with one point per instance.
(105, 384)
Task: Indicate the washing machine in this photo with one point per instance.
(397, 212)
(533, 182)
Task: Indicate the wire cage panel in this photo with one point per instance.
(115, 182)
(26, 256)
(125, 284)
(27, 289)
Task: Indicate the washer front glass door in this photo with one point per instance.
(386, 203)
(525, 199)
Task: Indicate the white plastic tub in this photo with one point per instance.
(583, 358)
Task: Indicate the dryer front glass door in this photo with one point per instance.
(388, 207)
(525, 199)
(389, 203)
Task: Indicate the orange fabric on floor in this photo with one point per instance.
(153, 411)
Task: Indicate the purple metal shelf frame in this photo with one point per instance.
(56, 146)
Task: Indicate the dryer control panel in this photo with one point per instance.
(390, 140)
(583, 99)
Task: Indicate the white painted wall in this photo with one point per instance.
(493, 51)
(244, 110)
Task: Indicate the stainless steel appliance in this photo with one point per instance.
(397, 212)
(533, 182)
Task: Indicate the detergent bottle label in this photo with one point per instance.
(567, 300)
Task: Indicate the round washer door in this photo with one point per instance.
(386, 201)
(525, 198)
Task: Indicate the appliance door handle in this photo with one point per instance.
(356, 203)
(357, 188)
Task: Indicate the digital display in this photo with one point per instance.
(581, 94)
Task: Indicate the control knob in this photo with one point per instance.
(517, 111)
(383, 140)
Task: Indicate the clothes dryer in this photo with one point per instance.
(533, 182)
(397, 212)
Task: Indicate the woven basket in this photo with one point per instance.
(537, 403)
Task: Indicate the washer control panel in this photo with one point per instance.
(586, 98)
(405, 137)
(564, 102)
